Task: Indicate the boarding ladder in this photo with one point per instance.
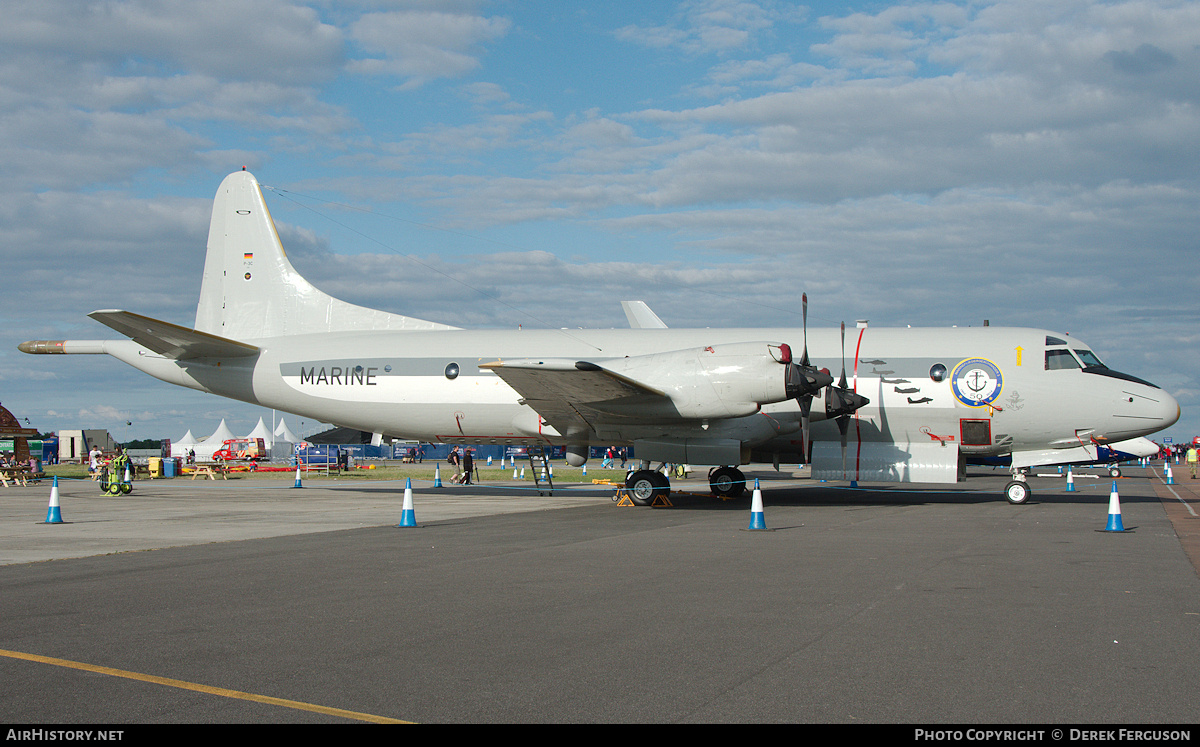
(539, 465)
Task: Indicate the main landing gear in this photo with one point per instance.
(645, 484)
(727, 482)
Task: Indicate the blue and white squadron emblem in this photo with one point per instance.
(976, 382)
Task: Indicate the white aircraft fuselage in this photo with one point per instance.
(935, 397)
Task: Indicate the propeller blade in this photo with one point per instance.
(804, 306)
(805, 411)
(842, 381)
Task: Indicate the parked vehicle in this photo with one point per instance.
(241, 450)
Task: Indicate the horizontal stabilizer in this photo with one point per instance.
(171, 340)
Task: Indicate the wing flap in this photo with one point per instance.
(573, 395)
(171, 340)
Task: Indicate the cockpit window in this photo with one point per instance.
(1054, 341)
(1057, 360)
(1089, 358)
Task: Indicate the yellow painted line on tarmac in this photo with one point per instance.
(203, 688)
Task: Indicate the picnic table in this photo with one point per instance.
(210, 470)
(19, 475)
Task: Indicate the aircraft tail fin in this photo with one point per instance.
(640, 316)
(250, 290)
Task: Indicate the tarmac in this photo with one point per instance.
(250, 601)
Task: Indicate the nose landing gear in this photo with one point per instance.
(1018, 491)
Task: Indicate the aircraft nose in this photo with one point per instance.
(1154, 407)
(1170, 410)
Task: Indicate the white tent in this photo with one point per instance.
(283, 433)
(220, 435)
(180, 448)
(285, 442)
(204, 449)
(261, 431)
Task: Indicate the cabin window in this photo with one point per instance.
(1057, 360)
(452, 371)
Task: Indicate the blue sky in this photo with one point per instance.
(1029, 162)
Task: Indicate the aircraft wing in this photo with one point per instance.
(171, 340)
(574, 396)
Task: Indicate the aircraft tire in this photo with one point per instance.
(1017, 492)
(644, 486)
(727, 482)
(1114, 472)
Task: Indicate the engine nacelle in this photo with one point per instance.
(718, 381)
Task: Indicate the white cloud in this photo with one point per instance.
(708, 26)
(423, 45)
(232, 39)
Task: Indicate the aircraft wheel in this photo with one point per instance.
(1017, 492)
(644, 486)
(1114, 472)
(727, 482)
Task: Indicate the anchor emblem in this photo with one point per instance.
(976, 382)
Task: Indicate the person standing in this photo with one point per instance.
(1191, 459)
(468, 464)
(454, 462)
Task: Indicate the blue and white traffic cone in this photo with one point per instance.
(408, 517)
(490, 462)
(298, 484)
(585, 470)
(437, 475)
(1114, 511)
(1170, 475)
(53, 512)
(1070, 481)
(757, 521)
(522, 473)
(514, 471)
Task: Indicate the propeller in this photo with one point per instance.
(805, 381)
(841, 402)
(805, 402)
